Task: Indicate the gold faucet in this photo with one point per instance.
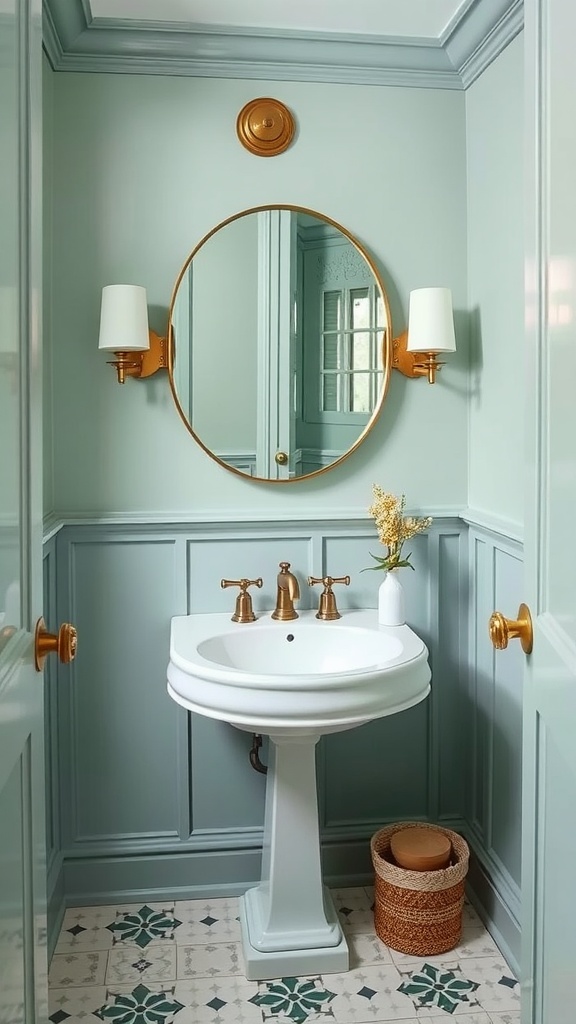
(327, 609)
(288, 592)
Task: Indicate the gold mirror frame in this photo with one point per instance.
(387, 343)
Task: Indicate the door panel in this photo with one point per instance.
(22, 823)
(549, 818)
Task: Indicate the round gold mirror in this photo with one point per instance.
(280, 343)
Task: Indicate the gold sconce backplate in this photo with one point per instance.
(413, 364)
(265, 126)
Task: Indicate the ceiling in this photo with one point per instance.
(426, 18)
(425, 43)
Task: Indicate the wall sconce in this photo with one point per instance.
(430, 331)
(124, 330)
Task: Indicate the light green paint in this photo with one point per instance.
(143, 167)
(47, 353)
(495, 166)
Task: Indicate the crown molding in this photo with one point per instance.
(75, 41)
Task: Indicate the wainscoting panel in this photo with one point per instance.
(125, 759)
(494, 793)
(155, 800)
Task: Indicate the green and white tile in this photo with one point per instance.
(367, 949)
(75, 1005)
(298, 1000)
(87, 928)
(78, 969)
(498, 991)
(368, 994)
(214, 959)
(354, 910)
(217, 1001)
(207, 921)
(440, 987)
(127, 965)
(140, 1005)
(144, 925)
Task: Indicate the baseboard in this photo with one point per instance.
(56, 904)
(159, 876)
(101, 880)
(489, 900)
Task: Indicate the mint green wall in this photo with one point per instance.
(495, 169)
(142, 168)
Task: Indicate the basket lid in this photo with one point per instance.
(421, 849)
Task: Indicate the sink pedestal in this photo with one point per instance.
(289, 924)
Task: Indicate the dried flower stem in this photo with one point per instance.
(394, 528)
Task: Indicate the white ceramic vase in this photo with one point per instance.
(391, 600)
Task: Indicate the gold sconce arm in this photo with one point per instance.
(142, 364)
(413, 364)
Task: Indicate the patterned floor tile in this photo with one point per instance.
(506, 1018)
(440, 987)
(470, 917)
(367, 949)
(298, 1000)
(127, 965)
(82, 969)
(354, 910)
(134, 1004)
(74, 1005)
(498, 991)
(476, 942)
(140, 1005)
(368, 994)
(207, 921)
(144, 926)
(217, 1001)
(209, 961)
(87, 928)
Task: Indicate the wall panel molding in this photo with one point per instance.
(115, 581)
(74, 41)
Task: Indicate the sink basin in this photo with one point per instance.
(294, 681)
(304, 675)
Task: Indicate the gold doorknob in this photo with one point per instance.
(64, 643)
(281, 458)
(502, 630)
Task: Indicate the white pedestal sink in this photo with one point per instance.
(294, 681)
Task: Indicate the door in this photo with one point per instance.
(549, 845)
(275, 426)
(22, 825)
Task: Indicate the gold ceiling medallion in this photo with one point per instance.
(265, 126)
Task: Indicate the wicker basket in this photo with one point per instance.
(418, 912)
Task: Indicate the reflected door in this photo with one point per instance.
(22, 824)
(549, 891)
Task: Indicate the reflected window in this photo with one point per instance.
(351, 366)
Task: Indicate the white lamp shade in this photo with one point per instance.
(431, 321)
(124, 319)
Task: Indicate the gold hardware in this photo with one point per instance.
(288, 592)
(142, 364)
(502, 630)
(413, 364)
(281, 458)
(265, 126)
(64, 643)
(327, 609)
(243, 611)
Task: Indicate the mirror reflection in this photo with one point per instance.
(280, 353)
